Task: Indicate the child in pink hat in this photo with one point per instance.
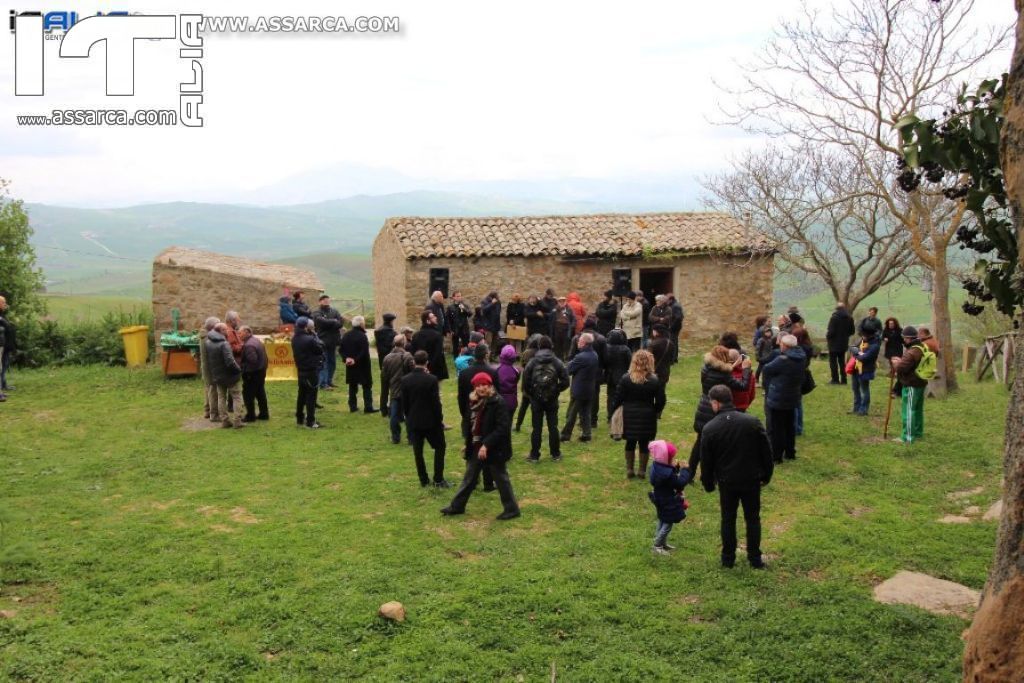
(668, 479)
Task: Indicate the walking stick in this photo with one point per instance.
(888, 409)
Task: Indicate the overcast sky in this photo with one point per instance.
(467, 91)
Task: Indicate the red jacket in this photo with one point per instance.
(743, 398)
(235, 342)
(578, 309)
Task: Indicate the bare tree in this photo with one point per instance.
(842, 82)
(819, 211)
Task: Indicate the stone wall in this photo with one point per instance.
(389, 280)
(201, 284)
(717, 293)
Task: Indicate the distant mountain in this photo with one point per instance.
(110, 250)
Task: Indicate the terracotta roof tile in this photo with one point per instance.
(589, 235)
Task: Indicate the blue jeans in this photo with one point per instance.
(861, 394)
(798, 418)
(330, 363)
(395, 413)
(661, 530)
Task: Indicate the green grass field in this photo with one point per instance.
(80, 308)
(159, 552)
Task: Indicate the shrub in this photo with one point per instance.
(48, 342)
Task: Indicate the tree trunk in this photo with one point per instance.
(995, 641)
(942, 323)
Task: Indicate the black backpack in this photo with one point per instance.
(545, 381)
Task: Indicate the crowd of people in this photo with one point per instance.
(626, 346)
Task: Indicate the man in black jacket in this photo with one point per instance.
(488, 447)
(490, 315)
(436, 306)
(424, 418)
(384, 338)
(328, 323)
(677, 324)
(355, 351)
(584, 369)
(607, 313)
(308, 354)
(458, 316)
(254, 376)
(736, 455)
(870, 322)
(600, 347)
(840, 329)
(430, 339)
(299, 305)
(543, 380)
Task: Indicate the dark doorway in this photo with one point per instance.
(654, 281)
(438, 282)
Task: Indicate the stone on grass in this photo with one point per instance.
(954, 519)
(937, 596)
(994, 512)
(392, 610)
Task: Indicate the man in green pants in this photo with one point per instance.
(914, 387)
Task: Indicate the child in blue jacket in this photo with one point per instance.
(668, 480)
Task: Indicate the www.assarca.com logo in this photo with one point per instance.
(119, 31)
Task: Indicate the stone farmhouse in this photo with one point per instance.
(720, 271)
(203, 283)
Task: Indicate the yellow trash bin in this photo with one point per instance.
(136, 344)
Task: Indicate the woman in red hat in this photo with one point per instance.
(488, 446)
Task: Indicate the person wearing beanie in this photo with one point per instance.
(607, 312)
(508, 377)
(668, 479)
(465, 380)
(424, 417)
(631, 320)
(384, 338)
(488, 447)
(914, 387)
(308, 353)
(736, 456)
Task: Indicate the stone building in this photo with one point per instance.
(720, 272)
(202, 283)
